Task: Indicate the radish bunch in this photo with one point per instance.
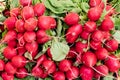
(92, 47)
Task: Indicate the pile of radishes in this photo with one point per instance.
(92, 54)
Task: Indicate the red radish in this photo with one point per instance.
(106, 34)
(94, 3)
(20, 25)
(73, 32)
(40, 60)
(9, 52)
(59, 75)
(80, 47)
(86, 73)
(95, 45)
(90, 26)
(21, 41)
(49, 66)
(12, 43)
(112, 63)
(25, 2)
(73, 73)
(71, 53)
(21, 50)
(29, 36)
(89, 59)
(101, 53)
(34, 53)
(9, 68)
(94, 13)
(44, 75)
(97, 36)
(71, 18)
(6, 13)
(19, 61)
(10, 23)
(27, 12)
(30, 24)
(31, 47)
(37, 72)
(85, 35)
(111, 45)
(112, 10)
(42, 37)
(103, 69)
(39, 9)
(10, 35)
(65, 65)
(107, 25)
(2, 65)
(49, 53)
(78, 59)
(6, 76)
(14, 12)
(46, 22)
(21, 73)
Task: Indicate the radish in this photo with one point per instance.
(10, 35)
(20, 38)
(65, 65)
(78, 59)
(31, 47)
(94, 13)
(86, 73)
(80, 47)
(12, 43)
(94, 3)
(19, 61)
(95, 45)
(27, 12)
(14, 12)
(85, 35)
(39, 9)
(10, 23)
(20, 25)
(71, 18)
(21, 50)
(9, 68)
(73, 32)
(21, 73)
(111, 45)
(101, 53)
(90, 26)
(71, 53)
(25, 2)
(6, 13)
(46, 22)
(2, 65)
(89, 59)
(49, 53)
(107, 25)
(44, 75)
(73, 73)
(6, 76)
(40, 60)
(29, 36)
(112, 63)
(37, 72)
(112, 10)
(49, 66)
(42, 37)
(97, 36)
(9, 52)
(103, 69)
(107, 35)
(59, 75)
(30, 24)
